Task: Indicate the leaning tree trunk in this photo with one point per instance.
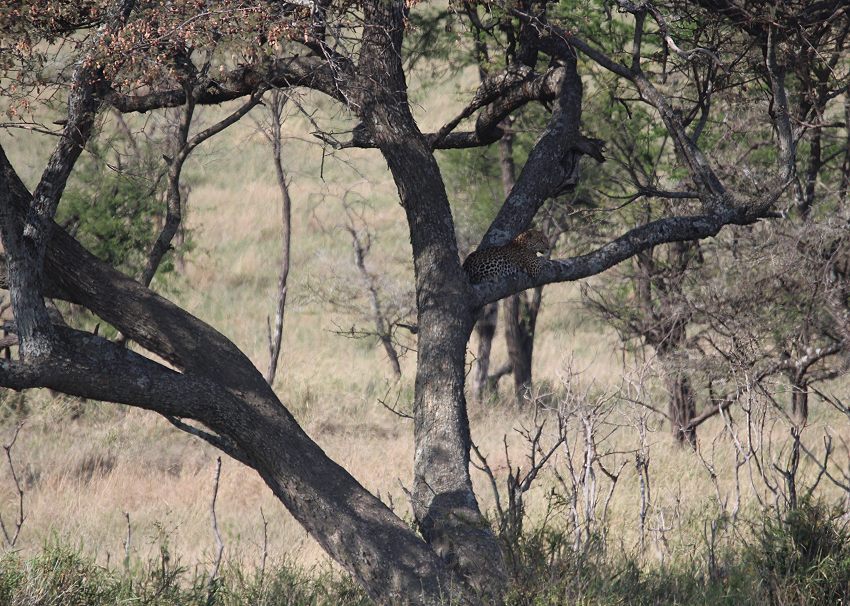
(218, 386)
(443, 501)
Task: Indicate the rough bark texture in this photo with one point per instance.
(520, 313)
(216, 385)
(800, 402)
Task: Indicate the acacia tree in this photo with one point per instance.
(145, 57)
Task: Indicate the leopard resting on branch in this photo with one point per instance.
(520, 254)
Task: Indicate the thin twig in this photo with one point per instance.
(212, 585)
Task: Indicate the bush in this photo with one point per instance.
(804, 556)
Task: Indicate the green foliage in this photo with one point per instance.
(13, 406)
(57, 576)
(113, 213)
(473, 183)
(554, 573)
(801, 558)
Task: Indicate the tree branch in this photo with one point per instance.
(25, 242)
(552, 165)
(670, 229)
(310, 72)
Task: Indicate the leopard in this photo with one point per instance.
(520, 254)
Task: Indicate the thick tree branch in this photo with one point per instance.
(311, 72)
(89, 366)
(497, 98)
(552, 165)
(232, 398)
(641, 238)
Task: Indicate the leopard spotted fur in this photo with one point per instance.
(520, 254)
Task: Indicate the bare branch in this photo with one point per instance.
(12, 539)
(185, 146)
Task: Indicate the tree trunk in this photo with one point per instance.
(799, 402)
(666, 331)
(444, 503)
(682, 407)
(520, 315)
(218, 386)
(485, 329)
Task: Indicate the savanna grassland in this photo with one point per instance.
(675, 521)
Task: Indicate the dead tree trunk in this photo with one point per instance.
(383, 327)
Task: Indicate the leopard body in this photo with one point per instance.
(518, 255)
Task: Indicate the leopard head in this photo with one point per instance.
(533, 240)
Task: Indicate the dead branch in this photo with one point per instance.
(12, 538)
